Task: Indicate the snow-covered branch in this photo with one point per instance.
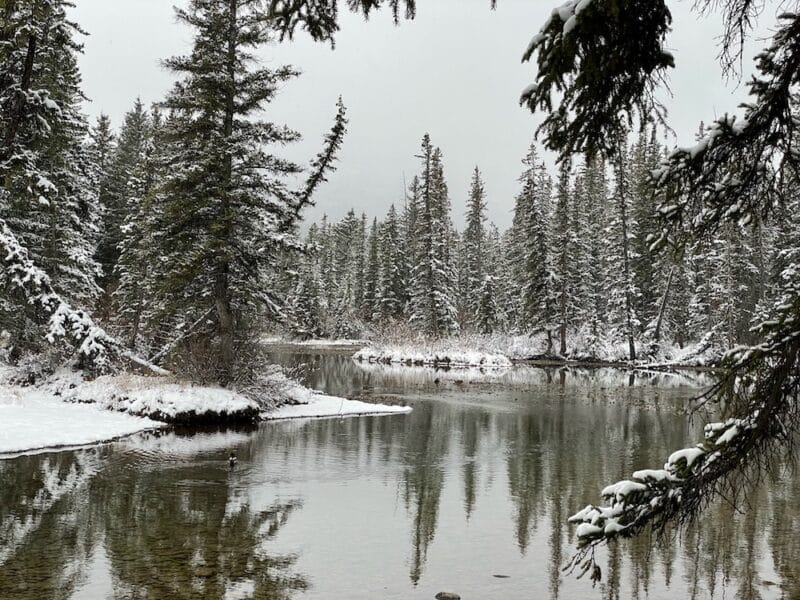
(764, 389)
(324, 161)
(598, 64)
(91, 340)
(734, 172)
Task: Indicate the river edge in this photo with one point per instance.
(64, 411)
(362, 351)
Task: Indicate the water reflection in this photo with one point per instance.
(477, 482)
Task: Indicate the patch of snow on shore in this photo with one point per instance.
(311, 404)
(432, 355)
(34, 419)
(140, 395)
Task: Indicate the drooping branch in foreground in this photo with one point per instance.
(598, 65)
(765, 388)
(737, 169)
(65, 322)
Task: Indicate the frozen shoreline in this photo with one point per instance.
(65, 412)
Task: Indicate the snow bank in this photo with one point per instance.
(330, 406)
(314, 343)
(65, 410)
(532, 375)
(582, 346)
(34, 419)
(432, 354)
(163, 399)
(305, 403)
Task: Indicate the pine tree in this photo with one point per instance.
(371, 276)
(530, 257)
(49, 178)
(562, 248)
(620, 286)
(433, 307)
(590, 220)
(121, 195)
(475, 246)
(227, 211)
(135, 297)
(392, 285)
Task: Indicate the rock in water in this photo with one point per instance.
(447, 596)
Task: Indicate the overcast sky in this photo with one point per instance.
(454, 72)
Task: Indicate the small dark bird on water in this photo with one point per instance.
(232, 460)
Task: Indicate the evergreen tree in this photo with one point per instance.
(371, 276)
(48, 196)
(621, 289)
(433, 307)
(392, 285)
(135, 297)
(475, 246)
(122, 191)
(227, 211)
(532, 269)
(562, 247)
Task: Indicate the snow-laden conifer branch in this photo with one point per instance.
(320, 18)
(598, 65)
(733, 173)
(763, 387)
(65, 322)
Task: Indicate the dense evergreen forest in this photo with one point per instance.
(157, 243)
(576, 267)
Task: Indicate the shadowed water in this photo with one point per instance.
(476, 483)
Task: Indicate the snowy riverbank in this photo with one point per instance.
(66, 411)
(432, 354)
(504, 350)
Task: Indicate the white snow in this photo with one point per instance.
(432, 354)
(32, 419)
(620, 490)
(688, 454)
(67, 411)
(139, 395)
(322, 406)
(319, 343)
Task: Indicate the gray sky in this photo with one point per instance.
(454, 72)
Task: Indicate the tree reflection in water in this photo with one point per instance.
(169, 529)
(496, 469)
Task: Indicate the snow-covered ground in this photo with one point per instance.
(33, 418)
(67, 411)
(322, 406)
(500, 350)
(525, 375)
(316, 343)
(435, 353)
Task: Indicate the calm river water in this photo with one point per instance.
(469, 493)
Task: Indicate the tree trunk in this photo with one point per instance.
(222, 292)
(662, 308)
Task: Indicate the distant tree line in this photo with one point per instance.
(577, 259)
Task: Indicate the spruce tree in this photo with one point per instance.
(227, 211)
(48, 174)
(122, 194)
(371, 275)
(433, 308)
(393, 259)
(475, 246)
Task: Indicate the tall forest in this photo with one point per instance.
(576, 269)
(155, 243)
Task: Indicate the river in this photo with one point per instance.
(469, 493)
